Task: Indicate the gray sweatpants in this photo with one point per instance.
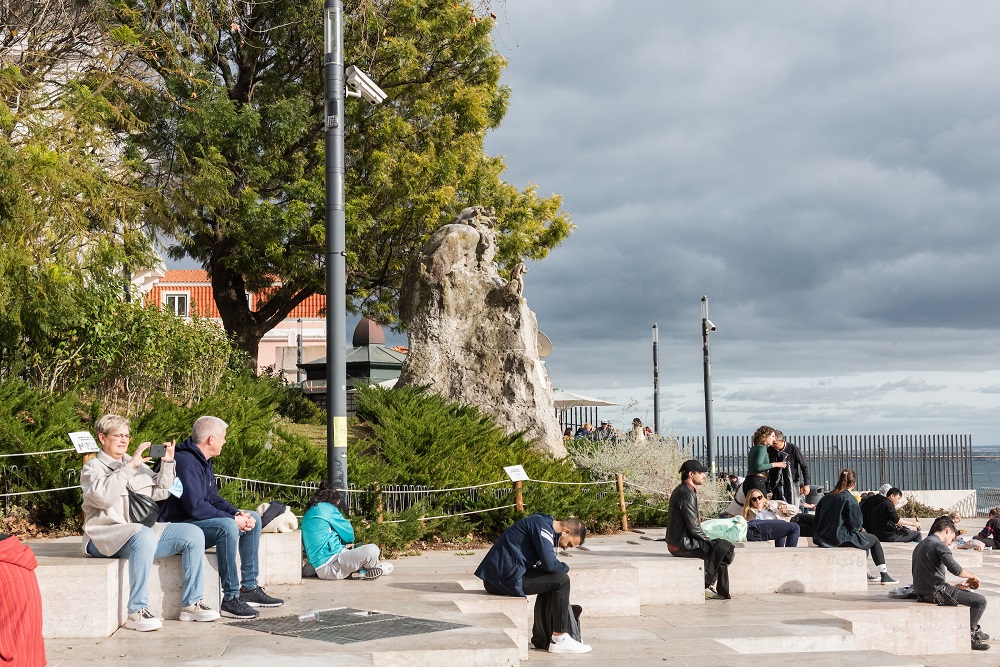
(349, 561)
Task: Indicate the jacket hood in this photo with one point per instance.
(13, 552)
(190, 448)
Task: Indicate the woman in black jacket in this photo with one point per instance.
(839, 523)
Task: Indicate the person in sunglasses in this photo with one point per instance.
(763, 525)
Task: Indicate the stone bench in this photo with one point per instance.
(664, 580)
(798, 570)
(88, 597)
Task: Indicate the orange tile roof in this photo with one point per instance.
(186, 276)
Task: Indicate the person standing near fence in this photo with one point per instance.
(758, 463)
(787, 483)
(523, 562)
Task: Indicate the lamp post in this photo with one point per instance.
(656, 381)
(336, 248)
(706, 328)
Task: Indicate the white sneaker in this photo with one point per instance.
(567, 644)
(143, 621)
(386, 567)
(199, 611)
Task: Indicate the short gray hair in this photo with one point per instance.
(109, 423)
(206, 426)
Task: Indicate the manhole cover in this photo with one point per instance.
(347, 625)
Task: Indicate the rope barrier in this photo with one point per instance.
(24, 493)
(445, 516)
(289, 486)
(457, 488)
(51, 451)
(545, 481)
(638, 486)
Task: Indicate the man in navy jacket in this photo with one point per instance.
(523, 562)
(226, 527)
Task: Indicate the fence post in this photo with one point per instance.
(378, 506)
(620, 481)
(518, 498)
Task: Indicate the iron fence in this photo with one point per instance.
(905, 461)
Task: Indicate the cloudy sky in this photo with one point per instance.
(827, 173)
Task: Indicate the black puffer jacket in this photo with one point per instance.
(684, 526)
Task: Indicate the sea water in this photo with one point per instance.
(986, 475)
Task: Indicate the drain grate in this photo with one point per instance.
(347, 626)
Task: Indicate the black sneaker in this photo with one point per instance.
(258, 598)
(887, 579)
(980, 635)
(237, 608)
(979, 646)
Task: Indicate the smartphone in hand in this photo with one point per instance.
(157, 451)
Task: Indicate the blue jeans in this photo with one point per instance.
(223, 534)
(784, 533)
(143, 547)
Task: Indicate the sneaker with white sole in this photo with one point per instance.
(370, 573)
(237, 608)
(143, 621)
(199, 611)
(871, 577)
(386, 567)
(256, 597)
(566, 644)
(887, 579)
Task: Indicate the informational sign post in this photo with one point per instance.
(84, 443)
(516, 473)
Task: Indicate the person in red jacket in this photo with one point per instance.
(21, 642)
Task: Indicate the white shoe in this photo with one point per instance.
(568, 645)
(199, 611)
(143, 621)
(386, 567)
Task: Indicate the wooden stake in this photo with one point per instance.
(620, 481)
(518, 498)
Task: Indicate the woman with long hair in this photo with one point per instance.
(758, 465)
(763, 525)
(839, 524)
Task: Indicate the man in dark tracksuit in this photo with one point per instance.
(523, 562)
(930, 559)
(686, 539)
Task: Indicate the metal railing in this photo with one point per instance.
(906, 461)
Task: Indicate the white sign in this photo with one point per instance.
(516, 473)
(84, 442)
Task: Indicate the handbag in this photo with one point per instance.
(142, 509)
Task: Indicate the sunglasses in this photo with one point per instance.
(756, 498)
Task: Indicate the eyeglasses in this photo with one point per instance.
(121, 436)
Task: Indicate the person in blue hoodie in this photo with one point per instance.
(523, 562)
(328, 538)
(226, 528)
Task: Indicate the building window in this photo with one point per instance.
(176, 304)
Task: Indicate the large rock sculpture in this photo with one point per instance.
(473, 338)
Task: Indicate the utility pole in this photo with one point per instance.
(656, 381)
(706, 328)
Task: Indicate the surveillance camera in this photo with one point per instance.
(709, 325)
(363, 86)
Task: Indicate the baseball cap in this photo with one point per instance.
(692, 465)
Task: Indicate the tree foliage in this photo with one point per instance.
(234, 142)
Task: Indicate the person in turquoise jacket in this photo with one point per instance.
(328, 538)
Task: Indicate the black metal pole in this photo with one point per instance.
(656, 381)
(706, 327)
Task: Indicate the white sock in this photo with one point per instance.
(558, 638)
(883, 568)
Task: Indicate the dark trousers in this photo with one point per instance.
(904, 535)
(974, 601)
(553, 612)
(805, 523)
(873, 545)
(784, 533)
(754, 482)
(717, 554)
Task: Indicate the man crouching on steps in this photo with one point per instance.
(686, 539)
(523, 562)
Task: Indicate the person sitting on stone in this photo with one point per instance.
(989, 536)
(523, 562)
(607, 430)
(685, 537)
(328, 538)
(881, 519)
(932, 559)
(839, 524)
(586, 430)
(763, 525)
(224, 526)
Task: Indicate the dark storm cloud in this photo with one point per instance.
(829, 174)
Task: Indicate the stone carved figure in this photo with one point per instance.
(516, 283)
(469, 340)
